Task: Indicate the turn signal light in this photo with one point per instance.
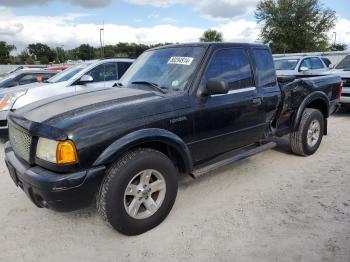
(66, 153)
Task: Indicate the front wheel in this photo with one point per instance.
(308, 138)
(138, 191)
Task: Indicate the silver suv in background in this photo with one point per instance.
(342, 69)
(301, 66)
(92, 74)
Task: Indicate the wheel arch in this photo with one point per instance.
(159, 139)
(317, 100)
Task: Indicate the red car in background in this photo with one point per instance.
(56, 68)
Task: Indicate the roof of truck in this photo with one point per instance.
(207, 44)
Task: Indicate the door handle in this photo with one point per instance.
(257, 101)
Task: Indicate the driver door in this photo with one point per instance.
(228, 121)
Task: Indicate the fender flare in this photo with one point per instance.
(309, 99)
(131, 140)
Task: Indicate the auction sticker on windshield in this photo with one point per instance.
(180, 60)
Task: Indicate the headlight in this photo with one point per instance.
(58, 152)
(7, 101)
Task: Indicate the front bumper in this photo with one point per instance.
(60, 192)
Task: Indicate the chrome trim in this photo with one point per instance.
(237, 91)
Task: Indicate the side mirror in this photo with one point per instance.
(85, 79)
(331, 66)
(215, 87)
(303, 69)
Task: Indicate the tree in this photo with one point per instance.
(85, 52)
(5, 51)
(25, 58)
(211, 36)
(339, 47)
(42, 53)
(59, 55)
(109, 51)
(295, 25)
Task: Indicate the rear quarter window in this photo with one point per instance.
(265, 75)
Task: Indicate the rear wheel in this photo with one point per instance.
(138, 191)
(308, 138)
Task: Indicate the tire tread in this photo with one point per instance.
(296, 137)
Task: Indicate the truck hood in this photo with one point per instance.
(41, 91)
(70, 106)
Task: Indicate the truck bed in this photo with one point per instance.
(296, 91)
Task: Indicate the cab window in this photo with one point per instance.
(105, 72)
(28, 79)
(233, 66)
(312, 63)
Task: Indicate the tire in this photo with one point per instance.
(129, 172)
(299, 141)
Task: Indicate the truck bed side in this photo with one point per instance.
(316, 92)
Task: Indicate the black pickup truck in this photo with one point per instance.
(186, 108)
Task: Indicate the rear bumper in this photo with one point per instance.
(60, 192)
(345, 97)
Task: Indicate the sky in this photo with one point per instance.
(69, 23)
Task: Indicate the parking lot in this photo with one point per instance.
(271, 207)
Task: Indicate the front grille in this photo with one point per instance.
(21, 142)
(3, 123)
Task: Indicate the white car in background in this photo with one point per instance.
(93, 74)
(342, 69)
(302, 66)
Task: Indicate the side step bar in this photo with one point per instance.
(239, 156)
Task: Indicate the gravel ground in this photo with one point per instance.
(271, 207)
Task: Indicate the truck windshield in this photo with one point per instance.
(344, 64)
(168, 69)
(67, 74)
(286, 64)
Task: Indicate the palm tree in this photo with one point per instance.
(211, 36)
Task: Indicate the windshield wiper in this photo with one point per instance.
(155, 86)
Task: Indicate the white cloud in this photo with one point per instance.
(157, 3)
(211, 8)
(62, 30)
(153, 16)
(169, 20)
(227, 9)
(83, 3)
(343, 31)
(240, 31)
